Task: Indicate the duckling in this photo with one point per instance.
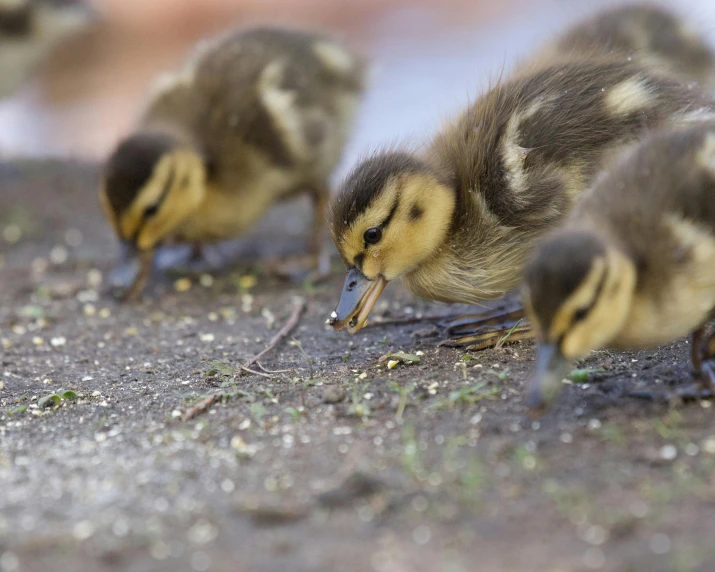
(29, 29)
(254, 117)
(634, 265)
(651, 34)
(457, 221)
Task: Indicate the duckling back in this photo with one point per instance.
(269, 109)
(523, 153)
(650, 34)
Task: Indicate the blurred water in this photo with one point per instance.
(422, 74)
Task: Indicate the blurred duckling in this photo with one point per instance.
(457, 221)
(29, 29)
(651, 34)
(254, 117)
(634, 266)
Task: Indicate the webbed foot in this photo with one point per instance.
(502, 322)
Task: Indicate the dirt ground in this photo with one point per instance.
(338, 463)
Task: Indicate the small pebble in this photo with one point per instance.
(660, 543)
(392, 364)
(12, 233)
(206, 280)
(58, 341)
(709, 445)
(333, 394)
(207, 337)
(668, 452)
(59, 255)
(182, 285)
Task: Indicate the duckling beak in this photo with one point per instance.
(359, 296)
(551, 368)
(128, 277)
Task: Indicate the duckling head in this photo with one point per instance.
(151, 183)
(392, 214)
(577, 292)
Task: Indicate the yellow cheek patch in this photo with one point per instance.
(148, 196)
(177, 187)
(186, 191)
(582, 297)
(609, 312)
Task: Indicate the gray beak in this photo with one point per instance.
(545, 385)
(130, 274)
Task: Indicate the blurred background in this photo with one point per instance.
(74, 85)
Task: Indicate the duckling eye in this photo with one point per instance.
(151, 210)
(373, 235)
(579, 314)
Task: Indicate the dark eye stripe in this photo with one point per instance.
(151, 210)
(393, 210)
(581, 313)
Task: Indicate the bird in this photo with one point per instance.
(29, 30)
(652, 34)
(633, 266)
(254, 116)
(456, 221)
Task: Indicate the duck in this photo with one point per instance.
(633, 266)
(456, 220)
(654, 35)
(29, 30)
(253, 117)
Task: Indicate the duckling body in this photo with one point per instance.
(634, 266)
(651, 34)
(457, 221)
(252, 118)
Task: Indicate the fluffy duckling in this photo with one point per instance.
(651, 34)
(457, 221)
(29, 29)
(253, 117)
(634, 266)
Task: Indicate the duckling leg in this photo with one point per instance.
(316, 262)
(319, 245)
(502, 323)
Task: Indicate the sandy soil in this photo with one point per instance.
(337, 463)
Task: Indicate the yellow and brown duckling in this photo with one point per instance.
(651, 34)
(253, 117)
(29, 30)
(634, 266)
(457, 221)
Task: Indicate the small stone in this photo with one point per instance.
(38, 341)
(206, 280)
(333, 394)
(668, 452)
(660, 543)
(207, 337)
(73, 237)
(83, 530)
(247, 282)
(59, 255)
(709, 445)
(182, 285)
(392, 364)
(58, 341)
